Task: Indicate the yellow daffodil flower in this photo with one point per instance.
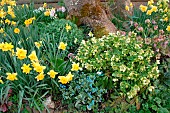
(13, 23)
(166, 10)
(33, 56)
(63, 79)
(45, 5)
(143, 8)
(166, 19)
(3, 2)
(40, 76)
(38, 68)
(150, 2)
(26, 68)
(154, 9)
(11, 76)
(131, 4)
(1, 30)
(69, 76)
(47, 13)
(27, 23)
(75, 67)
(68, 27)
(2, 13)
(7, 21)
(149, 12)
(12, 3)
(62, 46)
(38, 44)
(16, 30)
(127, 8)
(1, 81)
(52, 73)
(21, 53)
(168, 28)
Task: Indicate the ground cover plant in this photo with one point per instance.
(48, 63)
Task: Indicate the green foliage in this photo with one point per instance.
(125, 61)
(4, 97)
(61, 3)
(111, 2)
(61, 12)
(83, 91)
(156, 101)
(23, 12)
(153, 31)
(165, 71)
(57, 29)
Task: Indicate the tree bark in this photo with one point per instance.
(92, 13)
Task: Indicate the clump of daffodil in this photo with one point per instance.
(11, 76)
(128, 7)
(62, 46)
(8, 2)
(11, 12)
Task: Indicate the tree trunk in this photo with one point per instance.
(91, 12)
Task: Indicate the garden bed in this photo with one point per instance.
(48, 63)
